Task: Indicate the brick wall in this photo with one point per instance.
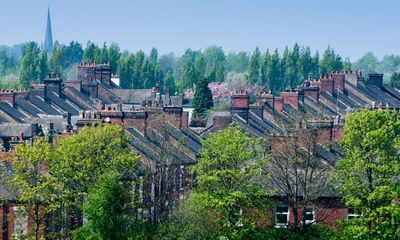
(7, 96)
(278, 103)
(327, 83)
(291, 98)
(338, 81)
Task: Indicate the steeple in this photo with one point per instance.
(48, 40)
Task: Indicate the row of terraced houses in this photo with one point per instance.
(158, 126)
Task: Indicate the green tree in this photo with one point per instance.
(237, 62)
(367, 63)
(305, 66)
(107, 210)
(57, 59)
(153, 57)
(188, 74)
(114, 54)
(213, 56)
(80, 160)
(226, 169)
(330, 62)
(43, 65)
(347, 64)
(169, 83)
(367, 177)
(265, 81)
(199, 68)
(30, 64)
(89, 54)
(202, 100)
(31, 182)
(274, 73)
(395, 80)
(254, 67)
(73, 53)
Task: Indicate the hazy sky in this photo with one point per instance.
(351, 27)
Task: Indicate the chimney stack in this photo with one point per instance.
(240, 104)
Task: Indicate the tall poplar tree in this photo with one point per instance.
(254, 67)
(30, 64)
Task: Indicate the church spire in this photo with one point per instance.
(48, 40)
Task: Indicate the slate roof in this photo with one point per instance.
(132, 96)
(12, 112)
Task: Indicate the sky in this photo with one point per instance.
(351, 27)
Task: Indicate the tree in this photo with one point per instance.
(330, 62)
(237, 62)
(265, 81)
(347, 65)
(199, 69)
(274, 73)
(367, 177)
(227, 169)
(114, 55)
(305, 64)
(73, 53)
(298, 174)
(188, 74)
(89, 54)
(57, 59)
(107, 210)
(202, 100)
(169, 83)
(80, 161)
(43, 65)
(254, 67)
(153, 57)
(213, 56)
(395, 80)
(30, 64)
(367, 63)
(31, 182)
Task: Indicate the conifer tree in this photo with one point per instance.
(265, 67)
(254, 67)
(169, 83)
(202, 100)
(43, 65)
(274, 73)
(29, 64)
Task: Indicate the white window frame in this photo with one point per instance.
(309, 211)
(282, 213)
(352, 215)
(181, 173)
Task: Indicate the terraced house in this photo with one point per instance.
(301, 127)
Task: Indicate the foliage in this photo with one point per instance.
(30, 64)
(395, 80)
(30, 180)
(203, 99)
(57, 59)
(330, 62)
(254, 67)
(43, 65)
(84, 157)
(188, 221)
(367, 176)
(107, 210)
(170, 83)
(226, 181)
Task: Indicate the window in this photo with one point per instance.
(309, 216)
(281, 216)
(351, 213)
(181, 172)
